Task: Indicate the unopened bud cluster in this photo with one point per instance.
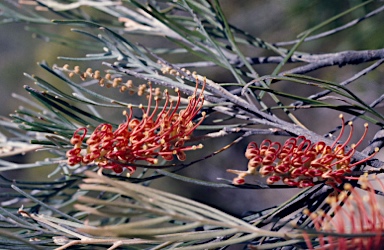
(109, 81)
(165, 69)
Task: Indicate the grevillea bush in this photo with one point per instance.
(165, 92)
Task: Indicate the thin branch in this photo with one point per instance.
(340, 59)
(344, 83)
(335, 30)
(314, 61)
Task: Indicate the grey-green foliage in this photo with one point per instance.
(195, 35)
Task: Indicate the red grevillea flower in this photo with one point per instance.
(160, 132)
(355, 221)
(299, 162)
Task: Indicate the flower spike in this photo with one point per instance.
(301, 163)
(159, 133)
(355, 219)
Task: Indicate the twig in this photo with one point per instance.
(335, 30)
(256, 131)
(340, 59)
(344, 83)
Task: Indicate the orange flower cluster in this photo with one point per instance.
(299, 162)
(161, 132)
(355, 220)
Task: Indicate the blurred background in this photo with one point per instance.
(272, 21)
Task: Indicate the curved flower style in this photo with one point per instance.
(355, 221)
(299, 162)
(159, 133)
